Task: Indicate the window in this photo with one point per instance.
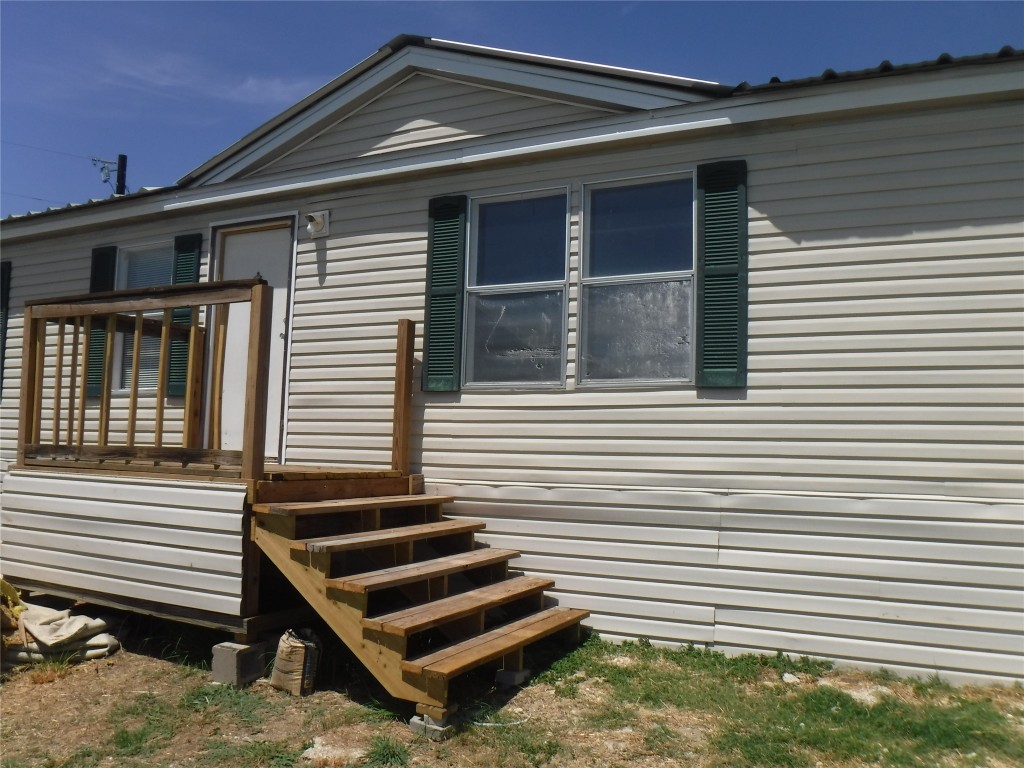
(515, 294)
(138, 268)
(652, 308)
(637, 285)
(144, 268)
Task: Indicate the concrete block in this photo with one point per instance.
(238, 664)
(510, 678)
(435, 730)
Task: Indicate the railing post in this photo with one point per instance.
(30, 398)
(254, 435)
(403, 396)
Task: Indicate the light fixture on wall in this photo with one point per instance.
(318, 223)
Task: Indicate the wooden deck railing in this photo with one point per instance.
(55, 375)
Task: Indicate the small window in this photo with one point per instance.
(145, 268)
(637, 291)
(515, 319)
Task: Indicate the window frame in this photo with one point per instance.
(584, 281)
(124, 254)
(469, 289)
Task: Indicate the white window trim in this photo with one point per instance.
(644, 277)
(468, 289)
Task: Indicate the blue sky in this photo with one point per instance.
(170, 84)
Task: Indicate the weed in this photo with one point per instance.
(385, 751)
(151, 722)
(252, 754)
(661, 740)
(51, 670)
(612, 717)
(244, 706)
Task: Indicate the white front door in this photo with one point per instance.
(244, 252)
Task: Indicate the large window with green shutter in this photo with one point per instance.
(660, 296)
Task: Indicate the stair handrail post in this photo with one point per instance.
(255, 427)
(30, 399)
(402, 417)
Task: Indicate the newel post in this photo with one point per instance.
(255, 429)
(403, 396)
(30, 397)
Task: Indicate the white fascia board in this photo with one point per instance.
(823, 101)
(562, 62)
(573, 87)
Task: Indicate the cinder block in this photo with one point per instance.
(435, 730)
(238, 664)
(510, 678)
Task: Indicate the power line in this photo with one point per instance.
(30, 197)
(43, 148)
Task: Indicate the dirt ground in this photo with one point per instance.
(72, 716)
(45, 717)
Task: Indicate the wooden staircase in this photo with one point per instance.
(409, 591)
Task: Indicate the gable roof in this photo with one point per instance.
(578, 83)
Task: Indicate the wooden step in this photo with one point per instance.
(387, 536)
(428, 569)
(297, 508)
(494, 644)
(420, 617)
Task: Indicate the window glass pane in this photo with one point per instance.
(520, 241)
(145, 269)
(639, 331)
(641, 228)
(515, 337)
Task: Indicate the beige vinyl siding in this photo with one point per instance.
(425, 110)
(866, 308)
(913, 585)
(176, 543)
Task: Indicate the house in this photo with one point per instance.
(731, 366)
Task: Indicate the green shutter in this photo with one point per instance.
(442, 333)
(5, 301)
(186, 270)
(722, 274)
(101, 279)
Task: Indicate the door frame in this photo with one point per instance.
(244, 225)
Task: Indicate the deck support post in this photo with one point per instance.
(30, 395)
(403, 396)
(255, 429)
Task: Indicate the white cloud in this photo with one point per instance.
(270, 91)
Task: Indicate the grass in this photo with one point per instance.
(221, 701)
(252, 754)
(385, 752)
(784, 725)
(601, 704)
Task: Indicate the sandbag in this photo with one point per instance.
(296, 662)
(95, 647)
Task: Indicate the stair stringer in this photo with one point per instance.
(346, 620)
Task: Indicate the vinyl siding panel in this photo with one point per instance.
(756, 572)
(177, 543)
(421, 111)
